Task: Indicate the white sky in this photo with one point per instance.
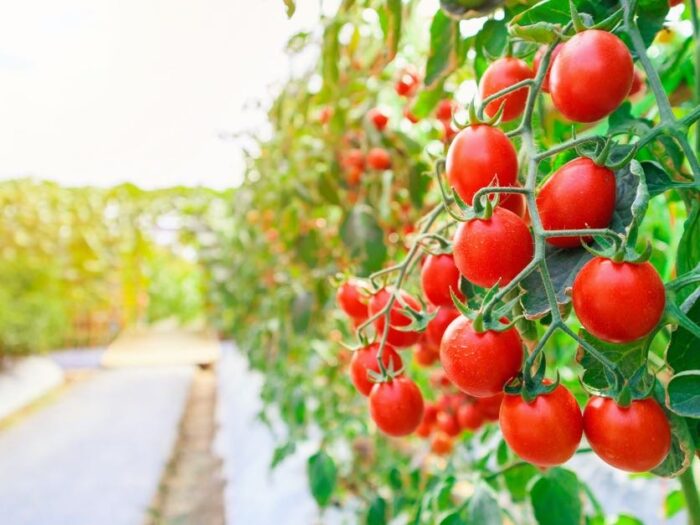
(104, 91)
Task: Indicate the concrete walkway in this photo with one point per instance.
(97, 454)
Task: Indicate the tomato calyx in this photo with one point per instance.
(385, 373)
(607, 153)
(584, 21)
(529, 385)
(488, 317)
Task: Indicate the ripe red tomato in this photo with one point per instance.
(447, 423)
(426, 354)
(378, 118)
(636, 438)
(480, 156)
(365, 359)
(444, 110)
(494, 250)
(618, 302)
(407, 82)
(591, 76)
(438, 276)
(396, 406)
(501, 74)
(423, 430)
(579, 195)
(469, 417)
(514, 202)
(438, 324)
(538, 59)
(638, 86)
(441, 444)
(490, 407)
(545, 432)
(352, 158)
(430, 414)
(480, 364)
(378, 159)
(396, 338)
(352, 301)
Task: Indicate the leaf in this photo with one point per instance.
(376, 515)
(542, 22)
(392, 28)
(364, 238)
(683, 393)
(622, 121)
(483, 507)
(444, 43)
(628, 358)
(330, 57)
(462, 9)
(291, 7)
(427, 99)
(674, 503)
(682, 353)
(555, 498)
(489, 42)
(689, 246)
(282, 452)
(650, 18)
(682, 447)
(627, 189)
(322, 477)
(658, 179)
(517, 480)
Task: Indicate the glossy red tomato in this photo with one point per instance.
(636, 438)
(352, 300)
(480, 364)
(365, 359)
(494, 250)
(430, 414)
(396, 338)
(378, 159)
(438, 276)
(591, 76)
(480, 156)
(438, 324)
(469, 417)
(447, 423)
(378, 118)
(618, 302)
(396, 406)
(441, 444)
(490, 407)
(545, 432)
(445, 110)
(579, 195)
(502, 74)
(426, 354)
(514, 202)
(407, 82)
(538, 59)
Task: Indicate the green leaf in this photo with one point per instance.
(674, 503)
(443, 56)
(291, 7)
(689, 246)
(555, 498)
(650, 18)
(376, 515)
(542, 22)
(683, 393)
(682, 353)
(489, 42)
(418, 184)
(627, 188)
(462, 9)
(517, 481)
(682, 447)
(322, 477)
(364, 238)
(624, 519)
(427, 99)
(622, 121)
(483, 507)
(658, 179)
(391, 25)
(330, 57)
(282, 452)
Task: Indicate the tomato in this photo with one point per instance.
(430, 414)
(638, 86)
(493, 250)
(438, 324)
(407, 82)
(378, 118)
(480, 156)
(441, 444)
(490, 406)
(325, 114)
(538, 59)
(365, 359)
(618, 302)
(636, 438)
(438, 276)
(480, 364)
(352, 158)
(408, 114)
(514, 202)
(439, 380)
(351, 299)
(469, 417)
(544, 432)
(447, 423)
(378, 159)
(450, 402)
(396, 406)
(397, 318)
(579, 195)
(502, 74)
(423, 430)
(445, 109)
(426, 354)
(591, 76)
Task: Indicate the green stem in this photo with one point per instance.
(696, 35)
(692, 499)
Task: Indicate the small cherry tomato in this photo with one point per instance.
(439, 275)
(365, 359)
(396, 338)
(396, 406)
(501, 74)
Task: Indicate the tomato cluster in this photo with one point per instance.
(616, 300)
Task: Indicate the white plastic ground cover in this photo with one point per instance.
(26, 379)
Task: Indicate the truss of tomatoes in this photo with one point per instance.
(615, 300)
